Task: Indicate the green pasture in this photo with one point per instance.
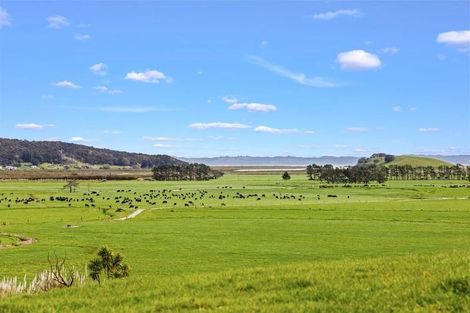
(338, 248)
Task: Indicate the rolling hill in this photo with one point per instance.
(412, 160)
(14, 152)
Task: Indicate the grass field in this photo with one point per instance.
(289, 247)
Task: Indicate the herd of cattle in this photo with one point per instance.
(121, 199)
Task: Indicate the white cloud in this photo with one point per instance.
(67, 84)
(5, 19)
(218, 125)
(390, 50)
(149, 76)
(357, 129)
(58, 22)
(99, 69)
(460, 37)
(104, 89)
(276, 131)
(253, 107)
(338, 146)
(264, 43)
(33, 126)
(412, 109)
(428, 129)
(325, 16)
(78, 139)
(230, 100)
(358, 59)
(396, 108)
(300, 78)
(82, 37)
(47, 97)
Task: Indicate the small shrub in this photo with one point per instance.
(109, 263)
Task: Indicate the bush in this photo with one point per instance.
(110, 264)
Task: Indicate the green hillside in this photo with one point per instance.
(414, 160)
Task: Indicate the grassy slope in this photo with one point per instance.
(161, 245)
(418, 161)
(437, 283)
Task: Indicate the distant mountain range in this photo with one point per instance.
(14, 152)
(303, 161)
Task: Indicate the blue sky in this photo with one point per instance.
(238, 78)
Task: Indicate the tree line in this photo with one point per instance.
(365, 173)
(187, 171)
(352, 174)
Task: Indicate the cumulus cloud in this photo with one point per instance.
(218, 125)
(58, 22)
(82, 37)
(253, 107)
(5, 19)
(149, 76)
(390, 50)
(456, 37)
(33, 126)
(231, 100)
(300, 78)
(428, 129)
(325, 16)
(357, 129)
(99, 69)
(459, 39)
(67, 84)
(358, 60)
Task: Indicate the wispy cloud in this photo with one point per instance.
(325, 16)
(396, 108)
(218, 125)
(5, 19)
(357, 129)
(119, 109)
(162, 145)
(78, 139)
(99, 69)
(148, 76)
(281, 131)
(58, 22)
(390, 50)
(358, 60)
(229, 99)
(300, 78)
(253, 107)
(30, 126)
(67, 84)
(105, 89)
(82, 37)
(428, 129)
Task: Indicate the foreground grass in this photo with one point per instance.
(433, 283)
(344, 253)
